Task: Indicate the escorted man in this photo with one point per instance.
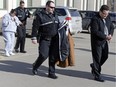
(45, 26)
(9, 26)
(101, 34)
(22, 14)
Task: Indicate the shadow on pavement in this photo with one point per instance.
(26, 68)
(80, 74)
(15, 67)
(89, 50)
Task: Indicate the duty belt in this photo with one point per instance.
(46, 37)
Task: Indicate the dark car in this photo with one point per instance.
(86, 19)
(113, 18)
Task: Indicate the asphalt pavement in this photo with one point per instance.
(16, 71)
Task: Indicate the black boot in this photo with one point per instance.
(53, 76)
(98, 78)
(34, 71)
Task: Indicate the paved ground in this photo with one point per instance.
(15, 71)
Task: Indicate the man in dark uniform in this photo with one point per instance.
(22, 14)
(46, 25)
(101, 33)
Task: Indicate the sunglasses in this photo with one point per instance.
(51, 7)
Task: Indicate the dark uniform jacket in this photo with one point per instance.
(46, 25)
(97, 29)
(22, 14)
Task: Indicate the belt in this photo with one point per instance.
(46, 37)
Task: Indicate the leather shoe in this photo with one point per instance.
(53, 76)
(34, 71)
(91, 65)
(16, 50)
(23, 52)
(99, 79)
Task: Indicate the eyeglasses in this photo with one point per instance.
(51, 7)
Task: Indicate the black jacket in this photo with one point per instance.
(97, 30)
(22, 14)
(63, 44)
(45, 24)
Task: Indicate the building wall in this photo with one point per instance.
(115, 6)
(79, 4)
(61, 2)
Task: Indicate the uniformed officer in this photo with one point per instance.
(22, 14)
(46, 25)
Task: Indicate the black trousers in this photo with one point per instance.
(100, 55)
(21, 34)
(47, 48)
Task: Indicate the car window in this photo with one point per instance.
(90, 14)
(87, 14)
(60, 12)
(31, 10)
(74, 12)
(112, 14)
(38, 9)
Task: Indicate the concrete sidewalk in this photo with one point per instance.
(15, 71)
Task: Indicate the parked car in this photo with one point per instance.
(87, 15)
(86, 18)
(113, 18)
(64, 13)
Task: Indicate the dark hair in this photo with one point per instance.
(48, 3)
(12, 11)
(104, 7)
(22, 2)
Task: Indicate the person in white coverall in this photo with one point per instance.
(9, 26)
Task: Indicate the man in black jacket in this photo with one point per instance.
(101, 34)
(45, 26)
(22, 14)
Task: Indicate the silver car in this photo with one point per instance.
(64, 13)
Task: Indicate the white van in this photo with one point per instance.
(64, 13)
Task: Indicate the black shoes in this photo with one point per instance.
(53, 76)
(92, 67)
(34, 71)
(99, 79)
(16, 50)
(23, 52)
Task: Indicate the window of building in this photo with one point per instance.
(2, 4)
(18, 2)
(29, 3)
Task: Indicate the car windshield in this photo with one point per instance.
(112, 14)
(74, 12)
(32, 10)
(60, 12)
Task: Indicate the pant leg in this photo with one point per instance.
(19, 37)
(12, 41)
(96, 53)
(7, 39)
(53, 55)
(104, 53)
(43, 53)
(22, 44)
